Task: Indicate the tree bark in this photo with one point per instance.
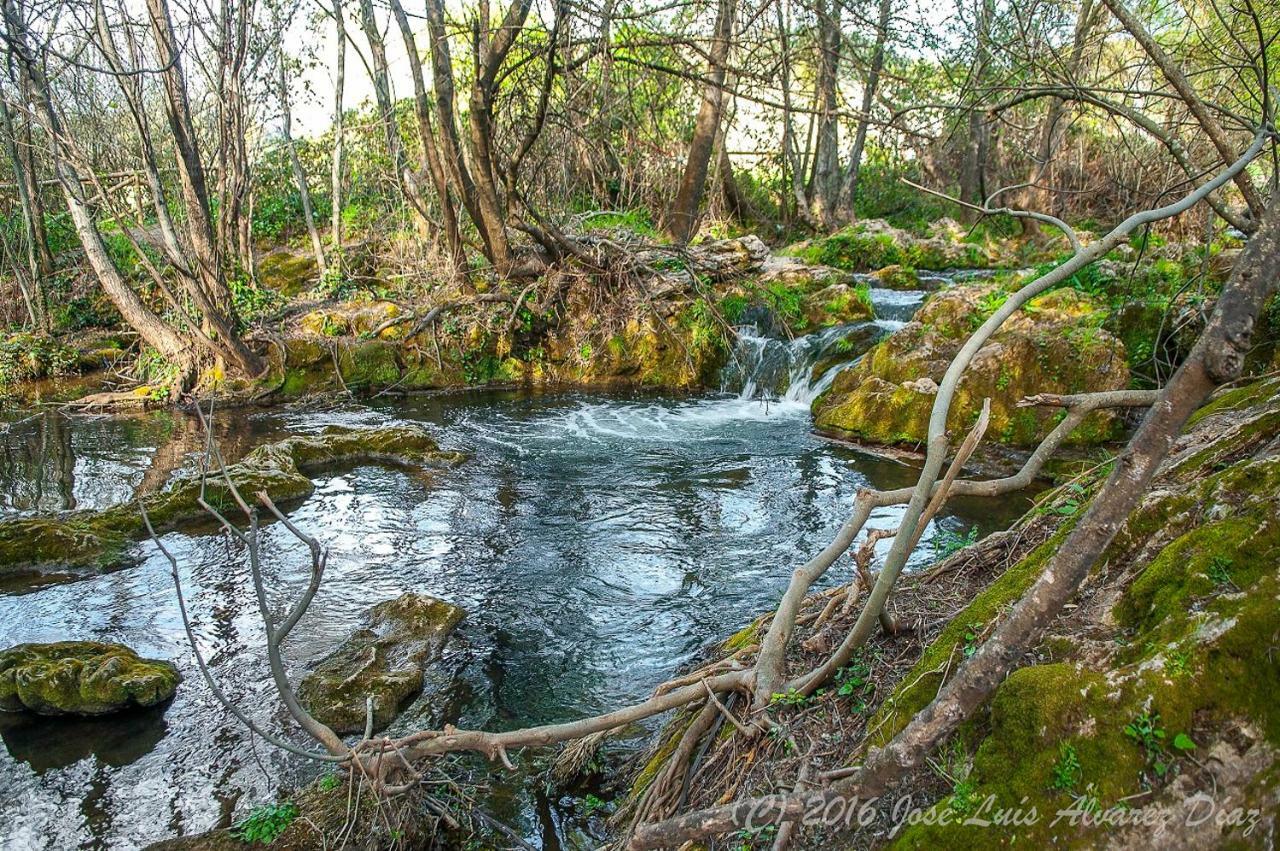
(33, 222)
(154, 331)
(339, 82)
(869, 88)
(1169, 68)
(299, 175)
(973, 169)
(825, 191)
(682, 219)
(431, 161)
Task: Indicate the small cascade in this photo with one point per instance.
(783, 370)
(799, 370)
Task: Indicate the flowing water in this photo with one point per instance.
(598, 544)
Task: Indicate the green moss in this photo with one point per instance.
(921, 683)
(368, 364)
(81, 678)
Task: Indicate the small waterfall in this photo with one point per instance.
(765, 367)
(783, 370)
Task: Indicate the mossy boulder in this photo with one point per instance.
(97, 539)
(1054, 345)
(898, 277)
(382, 660)
(81, 678)
(287, 272)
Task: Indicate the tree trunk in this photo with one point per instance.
(682, 219)
(1038, 196)
(340, 76)
(1169, 68)
(299, 174)
(209, 289)
(869, 89)
(431, 162)
(33, 290)
(387, 110)
(826, 169)
(973, 169)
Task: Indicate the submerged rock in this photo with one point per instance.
(87, 539)
(383, 659)
(81, 678)
(1054, 345)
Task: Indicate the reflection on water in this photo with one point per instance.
(597, 543)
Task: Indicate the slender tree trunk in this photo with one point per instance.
(682, 219)
(387, 110)
(973, 168)
(869, 88)
(33, 290)
(431, 161)
(299, 175)
(340, 76)
(1036, 195)
(210, 290)
(826, 170)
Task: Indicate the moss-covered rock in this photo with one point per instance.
(81, 678)
(287, 272)
(1054, 345)
(382, 660)
(97, 539)
(898, 277)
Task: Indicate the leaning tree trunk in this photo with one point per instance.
(153, 330)
(340, 77)
(431, 161)
(682, 219)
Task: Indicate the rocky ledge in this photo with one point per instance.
(1055, 345)
(98, 539)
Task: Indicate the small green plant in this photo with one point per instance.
(948, 543)
(266, 823)
(956, 768)
(1219, 571)
(1179, 662)
(791, 697)
(584, 351)
(1184, 743)
(755, 837)
(1067, 771)
(1146, 732)
(972, 634)
(854, 682)
(329, 782)
(591, 805)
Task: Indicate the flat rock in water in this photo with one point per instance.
(81, 678)
(383, 659)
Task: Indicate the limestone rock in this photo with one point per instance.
(383, 659)
(81, 678)
(1054, 345)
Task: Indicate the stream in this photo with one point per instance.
(597, 542)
